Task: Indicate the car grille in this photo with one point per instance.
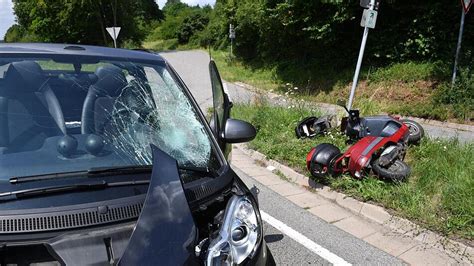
(27, 223)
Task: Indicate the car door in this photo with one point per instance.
(221, 108)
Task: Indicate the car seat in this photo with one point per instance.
(29, 110)
(100, 99)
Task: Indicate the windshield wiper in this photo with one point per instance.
(93, 172)
(32, 192)
(102, 171)
(22, 179)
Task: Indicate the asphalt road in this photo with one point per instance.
(289, 252)
(193, 68)
(311, 231)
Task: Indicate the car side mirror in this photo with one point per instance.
(238, 131)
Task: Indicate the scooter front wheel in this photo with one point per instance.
(398, 171)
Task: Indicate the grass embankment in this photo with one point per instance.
(439, 194)
(410, 88)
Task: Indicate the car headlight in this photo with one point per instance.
(239, 235)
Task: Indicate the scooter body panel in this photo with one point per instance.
(380, 126)
(359, 155)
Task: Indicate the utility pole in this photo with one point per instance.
(369, 19)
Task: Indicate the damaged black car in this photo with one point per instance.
(105, 158)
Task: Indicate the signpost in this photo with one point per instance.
(369, 19)
(466, 4)
(232, 38)
(114, 33)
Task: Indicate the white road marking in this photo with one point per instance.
(303, 240)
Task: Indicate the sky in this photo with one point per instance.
(7, 18)
(161, 3)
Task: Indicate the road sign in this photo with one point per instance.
(366, 4)
(231, 31)
(467, 5)
(114, 33)
(369, 18)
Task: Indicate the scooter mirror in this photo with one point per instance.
(342, 104)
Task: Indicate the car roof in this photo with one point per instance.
(76, 49)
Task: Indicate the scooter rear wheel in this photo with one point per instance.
(416, 131)
(398, 171)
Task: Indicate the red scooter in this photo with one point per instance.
(380, 147)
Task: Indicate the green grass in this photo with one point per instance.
(438, 195)
(163, 45)
(407, 88)
(231, 69)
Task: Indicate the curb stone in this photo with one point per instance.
(378, 215)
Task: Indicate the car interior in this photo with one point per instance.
(64, 113)
(31, 102)
(95, 115)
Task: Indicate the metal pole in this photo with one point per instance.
(458, 49)
(359, 61)
(114, 10)
(115, 39)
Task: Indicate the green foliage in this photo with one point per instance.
(409, 71)
(83, 21)
(193, 23)
(439, 194)
(14, 34)
(182, 22)
(314, 44)
(460, 96)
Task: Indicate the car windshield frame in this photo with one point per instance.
(155, 61)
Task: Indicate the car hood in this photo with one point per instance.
(164, 234)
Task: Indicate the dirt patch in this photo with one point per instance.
(414, 92)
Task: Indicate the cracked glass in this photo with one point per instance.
(72, 115)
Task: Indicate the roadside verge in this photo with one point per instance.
(244, 93)
(373, 224)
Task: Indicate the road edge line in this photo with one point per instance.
(303, 240)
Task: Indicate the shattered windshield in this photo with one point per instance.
(73, 115)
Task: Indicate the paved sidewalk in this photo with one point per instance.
(374, 225)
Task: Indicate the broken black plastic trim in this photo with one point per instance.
(165, 233)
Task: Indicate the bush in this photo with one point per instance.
(192, 24)
(460, 96)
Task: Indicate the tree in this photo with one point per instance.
(84, 21)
